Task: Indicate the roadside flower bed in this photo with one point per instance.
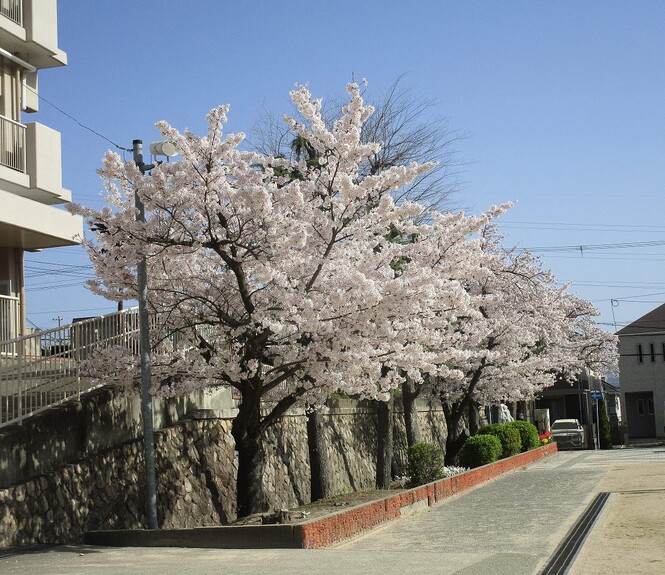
(545, 438)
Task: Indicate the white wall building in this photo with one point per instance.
(642, 374)
(31, 192)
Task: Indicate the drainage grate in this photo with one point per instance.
(565, 553)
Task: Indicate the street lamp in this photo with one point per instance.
(157, 149)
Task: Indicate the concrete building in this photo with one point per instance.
(642, 374)
(31, 192)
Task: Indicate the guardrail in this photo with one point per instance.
(9, 317)
(12, 144)
(13, 9)
(41, 370)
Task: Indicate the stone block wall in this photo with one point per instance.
(196, 469)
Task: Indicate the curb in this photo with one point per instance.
(323, 532)
(335, 528)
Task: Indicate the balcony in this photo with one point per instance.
(30, 187)
(30, 28)
(10, 317)
(12, 144)
(30, 162)
(12, 9)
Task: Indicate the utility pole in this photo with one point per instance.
(144, 332)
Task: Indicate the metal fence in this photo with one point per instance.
(41, 370)
(12, 144)
(13, 9)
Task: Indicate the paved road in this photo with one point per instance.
(509, 526)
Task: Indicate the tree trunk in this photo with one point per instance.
(384, 442)
(251, 460)
(409, 394)
(246, 431)
(455, 438)
(474, 418)
(318, 462)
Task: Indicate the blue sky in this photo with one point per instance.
(562, 104)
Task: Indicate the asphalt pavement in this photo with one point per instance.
(511, 525)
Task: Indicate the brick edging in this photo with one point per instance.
(351, 522)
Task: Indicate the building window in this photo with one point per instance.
(640, 407)
(640, 355)
(663, 351)
(652, 350)
(650, 406)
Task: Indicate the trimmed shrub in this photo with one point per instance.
(509, 437)
(480, 450)
(528, 434)
(605, 434)
(425, 463)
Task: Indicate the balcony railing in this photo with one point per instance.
(12, 9)
(12, 144)
(10, 318)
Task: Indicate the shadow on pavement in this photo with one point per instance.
(35, 549)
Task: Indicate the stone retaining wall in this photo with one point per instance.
(196, 470)
(324, 531)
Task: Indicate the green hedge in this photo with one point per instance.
(425, 463)
(605, 434)
(508, 436)
(528, 434)
(480, 450)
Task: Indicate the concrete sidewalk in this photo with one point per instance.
(509, 526)
(629, 536)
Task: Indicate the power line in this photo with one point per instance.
(54, 287)
(592, 247)
(33, 324)
(607, 258)
(77, 121)
(629, 298)
(632, 226)
(615, 285)
(59, 264)
(70, 310)
(623, 283)
(558, 226)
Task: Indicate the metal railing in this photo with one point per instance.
(10, 318)
(41, 370)
(12, 9)
(12, 144)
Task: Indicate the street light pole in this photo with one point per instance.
(144, 333)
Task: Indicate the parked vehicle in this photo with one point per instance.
(568, 433)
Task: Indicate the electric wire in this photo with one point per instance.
(81, 124)
(563, 226)
(560, 226)
(108, 308)
(592, 247)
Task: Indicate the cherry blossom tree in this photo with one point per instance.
(407, 128)
(278, 277)
(528, 332)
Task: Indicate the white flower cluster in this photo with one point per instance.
(292, 279)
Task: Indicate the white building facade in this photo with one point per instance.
(642, 374)
(31, 192)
